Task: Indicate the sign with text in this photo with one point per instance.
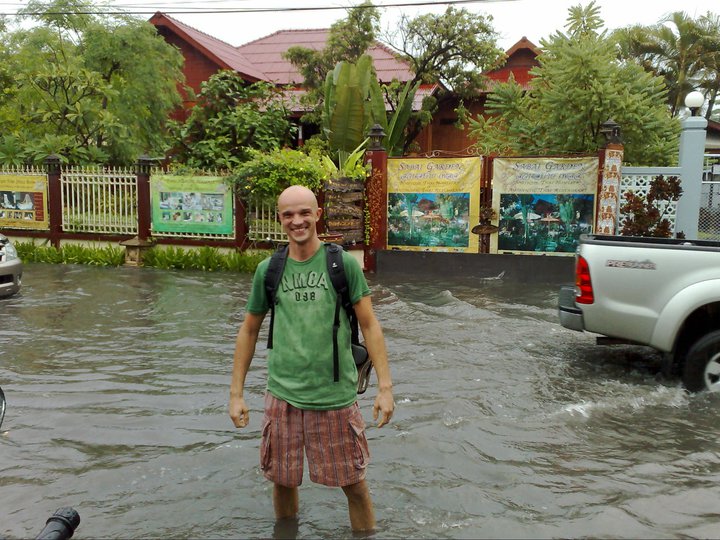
(191, 204)
(543, 204)
(432, 204)
(23, 202)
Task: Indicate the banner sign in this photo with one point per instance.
(543, 204)
(23, 202)
(433, 203)
(191, 204)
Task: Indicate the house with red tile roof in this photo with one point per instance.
(262, 59)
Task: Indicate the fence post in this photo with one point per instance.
(375, 205)
(692, 149)
(142, 173)
(241, 229)
(135, 247)
(55, 208)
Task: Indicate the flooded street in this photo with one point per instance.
(507, 425)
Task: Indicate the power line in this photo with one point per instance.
(204, 10)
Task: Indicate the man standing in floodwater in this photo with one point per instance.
(305, 410)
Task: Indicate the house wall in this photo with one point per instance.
(443, 135)
(197, 68)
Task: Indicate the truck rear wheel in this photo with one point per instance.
(702, 364)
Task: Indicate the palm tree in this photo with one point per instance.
(681, 50)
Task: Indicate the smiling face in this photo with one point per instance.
(299, 213)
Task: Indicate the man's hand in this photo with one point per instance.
(385, 404)
(239, 412)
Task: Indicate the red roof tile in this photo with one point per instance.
(223, 54)
(266, 54)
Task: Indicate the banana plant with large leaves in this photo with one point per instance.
(345, 114)
(394, 125)
(354, 102)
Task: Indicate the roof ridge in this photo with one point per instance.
(181, 23)
(286, 31)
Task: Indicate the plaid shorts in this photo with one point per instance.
(334, 442)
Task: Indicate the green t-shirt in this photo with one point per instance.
(300, 364)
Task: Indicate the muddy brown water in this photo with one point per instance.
(507, 425)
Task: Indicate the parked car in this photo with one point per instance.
(10, 268)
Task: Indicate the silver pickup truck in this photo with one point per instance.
(663, 293)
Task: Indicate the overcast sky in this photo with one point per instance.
(512, 19)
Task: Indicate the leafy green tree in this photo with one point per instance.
(229, 120)
(348, 40)
(86, 87)
(453, 49)
(579, 85)
(683, 51)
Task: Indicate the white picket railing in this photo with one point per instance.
(263, 225)
(638, 180)
(99, 200)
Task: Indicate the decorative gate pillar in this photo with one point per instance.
(609, 201)
(375, 200)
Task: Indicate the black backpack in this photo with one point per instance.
(336, 271)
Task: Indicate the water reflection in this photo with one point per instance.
(507, 425)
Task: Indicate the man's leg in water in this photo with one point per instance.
(362, 515)
(285, 501)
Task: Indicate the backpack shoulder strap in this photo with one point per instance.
(336, 270)
(273, 276)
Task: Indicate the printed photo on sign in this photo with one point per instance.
(428, 219)
(433, 203)
(23, 202)
(546, 222)
(543, 204)
(195, 205)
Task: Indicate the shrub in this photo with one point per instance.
(71, 254)
(206, 258)
(265, 176)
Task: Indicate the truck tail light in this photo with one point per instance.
(583, 284)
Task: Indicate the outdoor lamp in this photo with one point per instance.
(611, 130)
(693, 101)
(376, 136)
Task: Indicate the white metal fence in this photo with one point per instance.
(709, 222)
(263, 225)
(99, 200)
(638, 180)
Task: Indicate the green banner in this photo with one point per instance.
(191, 204)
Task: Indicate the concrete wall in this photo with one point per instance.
(518, 268)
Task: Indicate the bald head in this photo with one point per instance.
(295, 195)
(299, 214)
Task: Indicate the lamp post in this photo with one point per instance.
(376, 135)
(611, 130)
(694, 101)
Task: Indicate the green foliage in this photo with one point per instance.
(579, 85)
(454, 48)
(346, 116)
(229, 121)
(645, 216)
(352, 167)
(89, 88)
(396, 141)
(348, 40)
(71, 254)
(684, 52)
(265, 176)
(206, 259)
